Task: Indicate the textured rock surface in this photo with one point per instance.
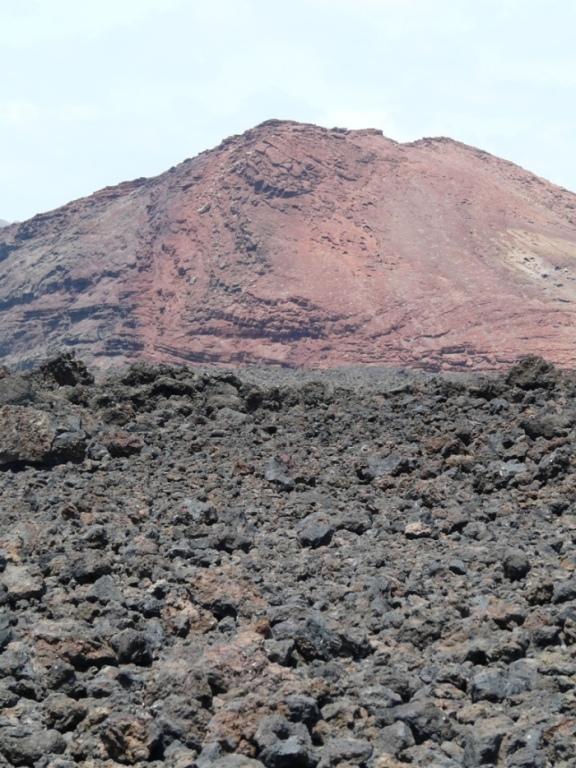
(160, 605)
(304, 246)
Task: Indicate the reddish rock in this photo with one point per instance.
(302, 246)
(120, 443)
(27, 435)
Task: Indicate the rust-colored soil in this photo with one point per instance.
(302, 246)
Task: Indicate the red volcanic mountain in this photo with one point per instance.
(300, 245)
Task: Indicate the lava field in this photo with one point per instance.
(211, 568)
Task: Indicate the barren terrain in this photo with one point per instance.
(199, 570)
(302, 246)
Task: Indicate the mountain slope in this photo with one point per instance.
(3, 223)
(303, 246)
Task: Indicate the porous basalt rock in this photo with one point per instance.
(267, 570)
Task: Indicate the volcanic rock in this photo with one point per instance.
(32, 436)
(300, 245)
(270, 591)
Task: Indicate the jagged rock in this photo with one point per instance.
(129, 739)
(16, 390)
(65, 370)
(31, 436)
(346, 752)
(243, 593)
(395, 738)
(64, 713)
(21, 583)
(316, 530)
(22, 745)
(516, 565)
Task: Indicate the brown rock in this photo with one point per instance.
(87, 652)
(129, 739)
(417, 530)
(302, 246)
(387, 761)
(120, 443)
(26, 434)
(32, 436)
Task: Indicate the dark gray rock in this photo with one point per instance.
(5, 630)
(277, 472)
(488, 685)
(516, 565)
(104, 590)
(565, 591)
(302, 709)
(16, 390)
(392, 586)
(64, 713)
(293, 752)
(23, 745)
(395, 738)
(346, 752)
(195, 511)
(133, 647)
(316, 530)
(483, 741)
(284, 744)
(425, 720)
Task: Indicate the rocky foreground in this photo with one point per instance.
(197, 570)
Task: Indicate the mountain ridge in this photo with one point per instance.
(302, 245)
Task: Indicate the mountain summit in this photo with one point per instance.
(300, 245)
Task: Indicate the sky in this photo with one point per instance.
(95, 92)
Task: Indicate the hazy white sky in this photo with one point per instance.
(93, 92)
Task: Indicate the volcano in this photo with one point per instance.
(301, 246)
